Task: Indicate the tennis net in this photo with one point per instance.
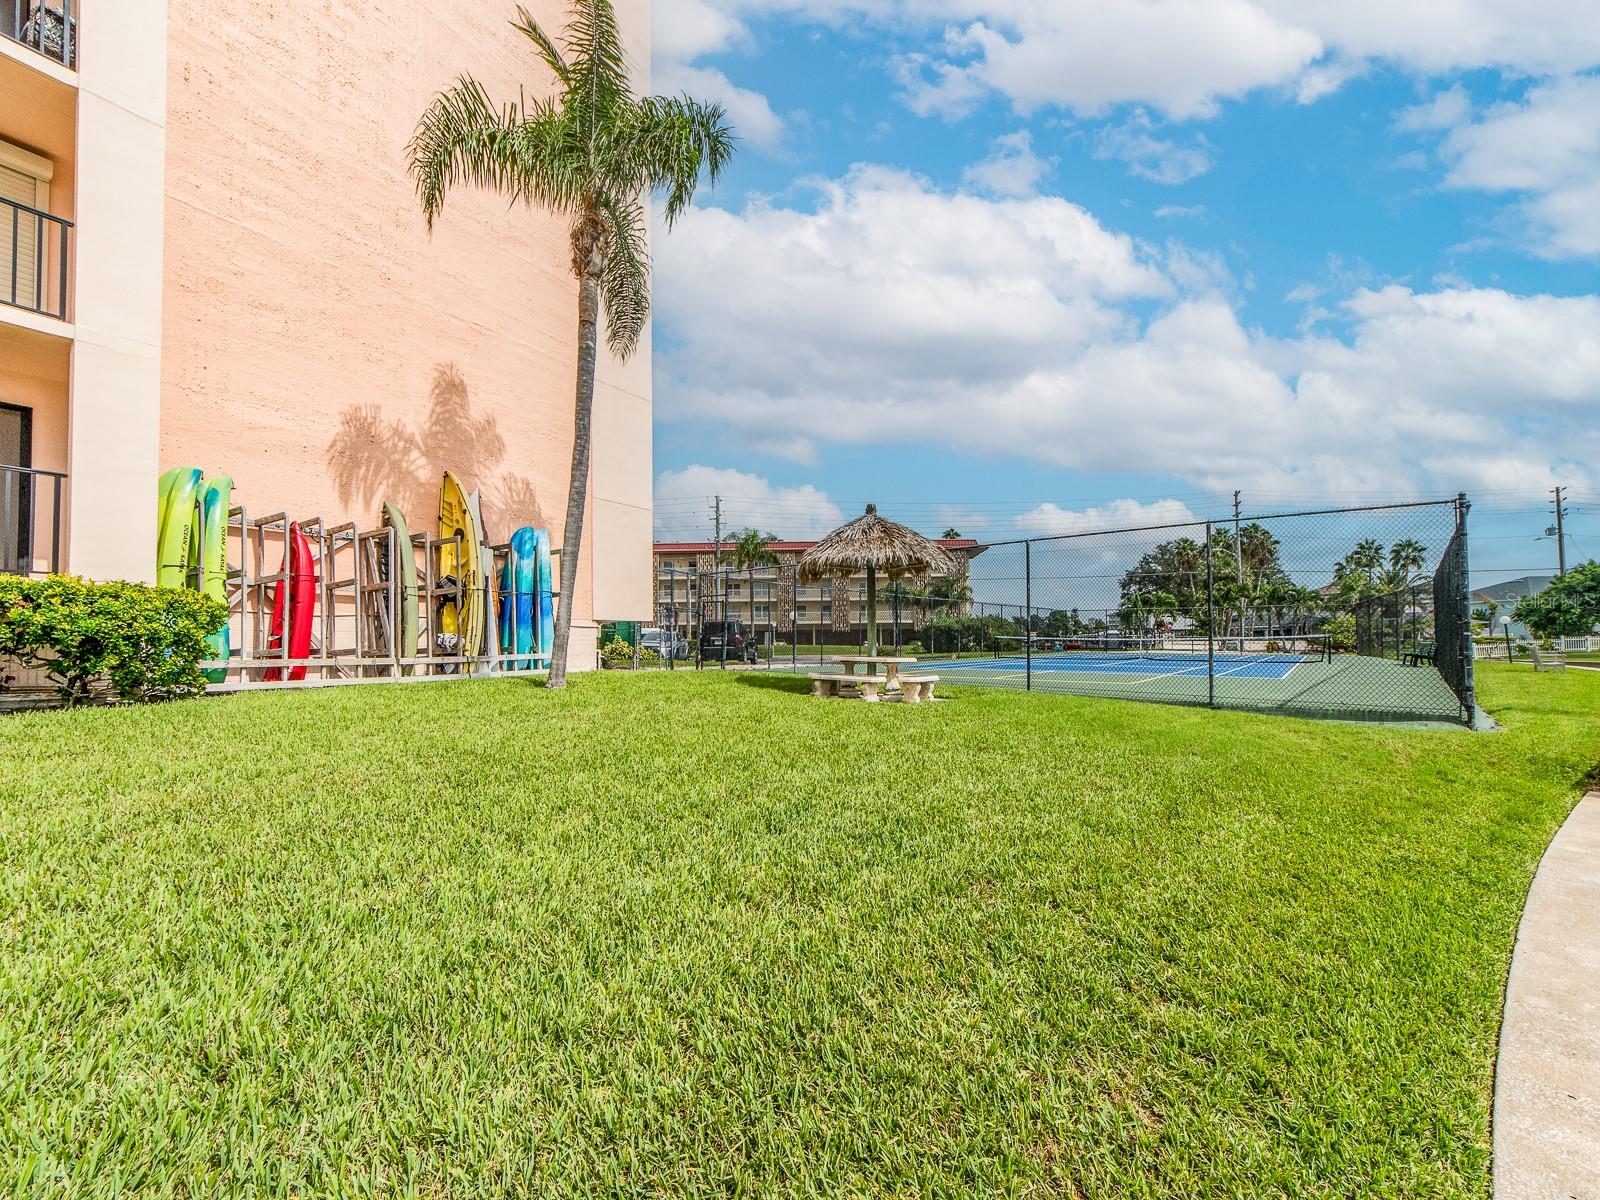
(1284, 648)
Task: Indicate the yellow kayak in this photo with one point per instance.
(464, 565)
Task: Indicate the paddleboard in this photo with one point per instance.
(507, 628)
(546, 586)
(301, 602)
(453, 518)
(177, 494)
(215, 501)
(406, 577)
(523, 598)
(483, 641)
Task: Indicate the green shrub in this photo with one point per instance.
(1341, 632)
(115, 640)
(618, 653)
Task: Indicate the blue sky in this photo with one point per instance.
(1041, 265)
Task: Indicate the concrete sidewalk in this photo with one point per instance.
(1547, 1083)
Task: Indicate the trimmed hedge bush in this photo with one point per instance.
(618, 653)
(116, 640)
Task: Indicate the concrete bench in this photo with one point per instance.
(914, 689)
(868, 686)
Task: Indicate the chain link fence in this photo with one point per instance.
(1357, 613)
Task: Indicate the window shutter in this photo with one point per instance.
(19, 238)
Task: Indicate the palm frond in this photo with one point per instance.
(543, 42)
(675, 139)
(625, 284)
(552, 173)
(464, 138)
(597, 82)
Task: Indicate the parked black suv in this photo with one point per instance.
(715, 634)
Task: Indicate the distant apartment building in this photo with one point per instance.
(690, 587)
(211, 255)
(1502, 598)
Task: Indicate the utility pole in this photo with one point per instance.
(1238, 546)
(716, 562)
(1561, 541)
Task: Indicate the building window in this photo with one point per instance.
(800, 612)
(763, 612)
(24, 180)
(827, 612)
(826, 591)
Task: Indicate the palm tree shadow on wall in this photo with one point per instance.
(374, 459)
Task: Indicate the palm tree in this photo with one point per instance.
(749, 552)
(952, 592)
(593, 153)
(1407, 555)
(951, 534)
(1366, 558)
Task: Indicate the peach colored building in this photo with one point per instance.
(211, 255)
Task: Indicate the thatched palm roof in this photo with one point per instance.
(871, 541)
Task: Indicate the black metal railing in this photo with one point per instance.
(51, 30)
(33, 259)
(30, 520)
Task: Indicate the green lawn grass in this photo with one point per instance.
(699, 934)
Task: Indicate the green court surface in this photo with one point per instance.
(1349, 687)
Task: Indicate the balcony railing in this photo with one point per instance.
(51, 30)
(33, 259)
(30, 521)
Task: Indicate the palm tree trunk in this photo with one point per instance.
(578, 486)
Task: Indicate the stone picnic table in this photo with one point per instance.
(912, 689)
(891, 666)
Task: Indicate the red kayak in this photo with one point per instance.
(302, 572)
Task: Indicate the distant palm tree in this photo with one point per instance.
(594, 154)
(952, 593)
(1408, 555)
(951, 534)
(750, 550)
(1366, 558)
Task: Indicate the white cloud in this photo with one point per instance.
(1184, 56)
(895, 312)
(683, 505)
(1013, 169)
(1049, 520)
(749, 113)
(1169, 212)
(1445, 110)
(1159, 160)
(1547, 148)
(684, 30)
(1181, 57)
(1088, 55)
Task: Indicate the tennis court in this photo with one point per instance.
(1350, 686)
(1239, 658)
(1355, 613)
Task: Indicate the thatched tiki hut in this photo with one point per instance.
(879, 546)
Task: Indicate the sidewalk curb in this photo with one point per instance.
(1547, 1079)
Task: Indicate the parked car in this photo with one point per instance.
(663, 643)
(714, 635)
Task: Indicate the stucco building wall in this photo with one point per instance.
(318, 345)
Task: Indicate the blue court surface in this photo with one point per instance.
(1148, 666)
